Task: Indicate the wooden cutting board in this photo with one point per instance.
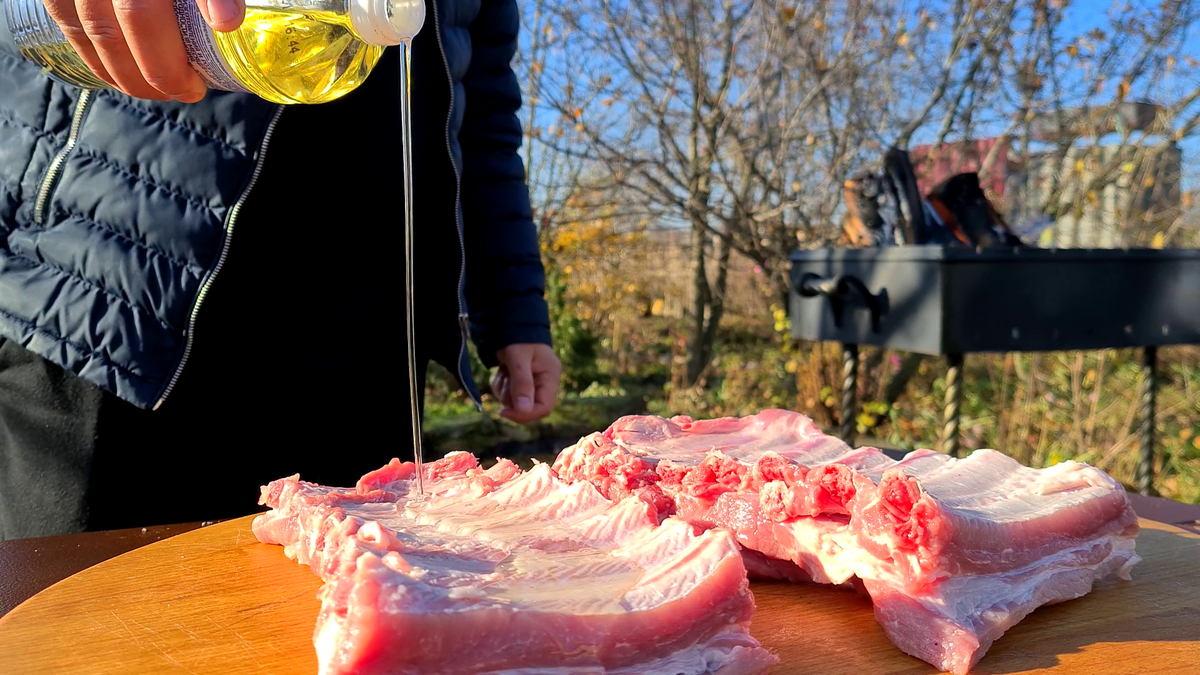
(216, 602)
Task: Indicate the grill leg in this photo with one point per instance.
(948, 443)
(1145, 469)
(849, 393)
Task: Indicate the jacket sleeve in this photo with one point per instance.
(505, 280)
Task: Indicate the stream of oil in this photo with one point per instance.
(406, 131)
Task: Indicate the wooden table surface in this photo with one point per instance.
(30, 565)
(216, 601)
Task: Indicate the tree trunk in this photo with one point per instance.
(701, 292)
(716, 303)
(706, 315)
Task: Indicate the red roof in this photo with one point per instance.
(961, 157)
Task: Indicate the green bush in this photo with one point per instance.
(1040, 408)
(576, 345)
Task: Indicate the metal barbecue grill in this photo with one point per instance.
(951, 301)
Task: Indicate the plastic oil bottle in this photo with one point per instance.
(286, 51)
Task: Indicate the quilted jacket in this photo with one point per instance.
(116, 214)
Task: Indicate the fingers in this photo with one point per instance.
(134, 45)
(500, 385)
(64, 14)
(527, 381)
(99, 21)
(157, 53)
(519, 402)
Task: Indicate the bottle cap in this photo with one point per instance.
(384, 23)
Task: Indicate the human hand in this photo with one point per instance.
(135, 45)
(527, 381)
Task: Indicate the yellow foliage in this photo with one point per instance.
(782, 324)
(601, 260)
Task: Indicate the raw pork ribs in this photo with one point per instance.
(952, 552)
(502, 571)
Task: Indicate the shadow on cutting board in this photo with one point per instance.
(1150, 625)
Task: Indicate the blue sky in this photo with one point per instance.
(1080, 17)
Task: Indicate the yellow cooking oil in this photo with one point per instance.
(286, 51)
(296, 55)
(60, 59)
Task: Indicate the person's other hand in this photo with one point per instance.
(527, 381)
(135, 45)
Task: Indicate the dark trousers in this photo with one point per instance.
(295, 369)
(74, 458)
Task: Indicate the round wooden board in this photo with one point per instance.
(215, 601)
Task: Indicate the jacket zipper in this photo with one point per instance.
(230, 222)
(462, 249)
(42, 204)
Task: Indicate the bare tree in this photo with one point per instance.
(739, 119)
(552, 167)
(1081, 112)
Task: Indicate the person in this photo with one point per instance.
(201, 292)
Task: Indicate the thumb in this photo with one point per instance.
(520, 383)
(222, 15)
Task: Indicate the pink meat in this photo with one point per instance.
(952, 552)
(952, 624)
(987, 514)
(685, 440)
(500, 570)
